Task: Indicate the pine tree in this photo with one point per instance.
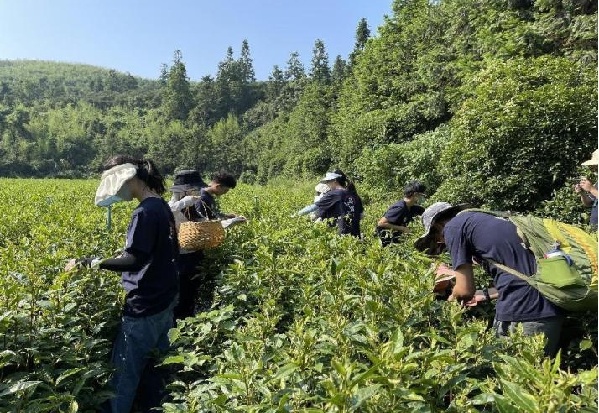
(178, 100)
(362, 36)
(295, 68)
(276, 82)
(245, 62)
(320, 71)
(339, 71)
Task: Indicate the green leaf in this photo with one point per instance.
(285, 371)
(67, 374)
(519, 398)
(363, 394)
(178, 359)
(20, 387)
(339, 368)
(397, 340)
(588, 377)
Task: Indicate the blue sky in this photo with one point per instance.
(137, 36)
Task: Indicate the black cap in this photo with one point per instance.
(187, 180)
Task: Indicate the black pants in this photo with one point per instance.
(189, 281)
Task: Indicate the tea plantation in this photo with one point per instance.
(301, 320)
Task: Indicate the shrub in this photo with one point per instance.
(522, 135)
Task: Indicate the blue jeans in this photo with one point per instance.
(550, 327)
(134, 355)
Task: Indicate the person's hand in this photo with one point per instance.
(479, 296)
(71, 264)
(585, 184)
(476, 298)
(78, 263)
(577, 188)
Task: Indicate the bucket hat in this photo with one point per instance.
(187, 180)
(431, 215)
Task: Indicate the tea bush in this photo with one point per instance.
(301, 319)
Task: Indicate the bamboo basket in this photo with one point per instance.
(201, 235)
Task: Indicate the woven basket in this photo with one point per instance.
(201, 235)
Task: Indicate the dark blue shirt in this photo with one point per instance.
(151, 234)
(353, 208)
(344, 209)
(398, 214)
(483, 236)
(206, 207)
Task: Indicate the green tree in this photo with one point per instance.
(177, 98)
(276, 81)
(339, 71)
(362, 36)
(522, 134)
(226, 149)
(320, 71)
(295, 68)
(246, 64)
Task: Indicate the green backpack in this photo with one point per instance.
(567, 278)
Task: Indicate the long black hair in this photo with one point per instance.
(345, 182)
(147, 171)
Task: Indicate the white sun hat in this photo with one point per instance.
(594, 159)
(330, 176)
(112, 182)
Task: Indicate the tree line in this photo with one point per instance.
(491, 101)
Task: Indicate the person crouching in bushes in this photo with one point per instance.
(485, 238)
(396, 219)
(148, 268)
(342, 204)
(320, 189)
(185, 194)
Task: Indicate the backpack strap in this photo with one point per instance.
(510, 270)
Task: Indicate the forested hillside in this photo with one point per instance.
(492, 101)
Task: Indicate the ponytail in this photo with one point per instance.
(148, 172)
(351, 188)
(345, 182)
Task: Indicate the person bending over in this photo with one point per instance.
(395, 221)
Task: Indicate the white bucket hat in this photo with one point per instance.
(594, 159)
(112, 182)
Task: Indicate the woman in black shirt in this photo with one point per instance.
(342, 204)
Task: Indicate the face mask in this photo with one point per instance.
(125, 192)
